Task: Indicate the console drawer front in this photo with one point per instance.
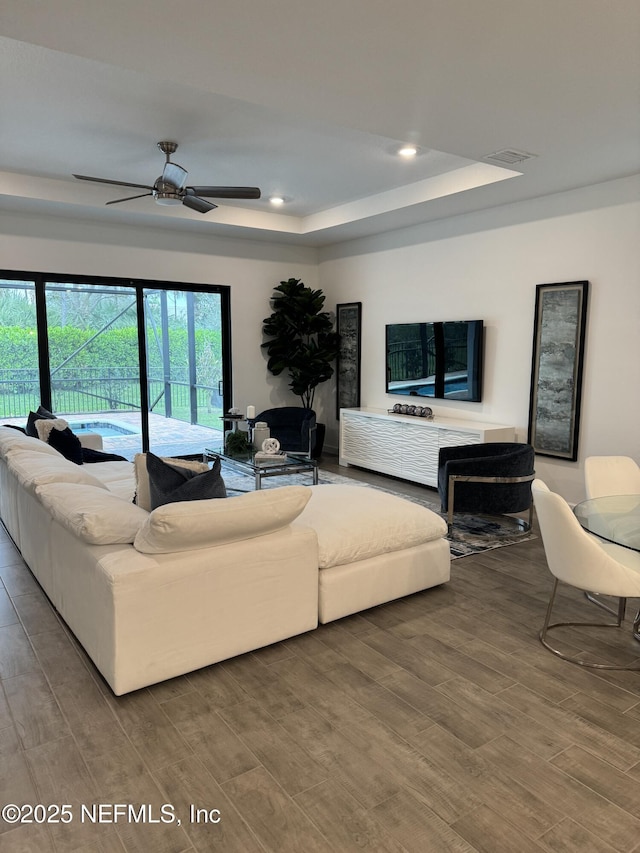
(372, 443)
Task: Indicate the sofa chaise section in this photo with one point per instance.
(373, 547)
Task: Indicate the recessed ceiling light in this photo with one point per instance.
(276, 200)
(408, 151)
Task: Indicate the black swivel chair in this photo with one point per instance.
(294, 427)
(488, 479)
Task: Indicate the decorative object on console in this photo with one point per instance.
(349, 326)
(416, 411)
(556, 372)
(271, 445)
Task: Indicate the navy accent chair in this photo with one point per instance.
(293, 426)
(488, 479)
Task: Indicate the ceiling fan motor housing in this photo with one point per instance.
(165, 193)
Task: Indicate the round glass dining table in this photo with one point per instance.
(615, 518)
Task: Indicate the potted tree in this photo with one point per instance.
(301, 341)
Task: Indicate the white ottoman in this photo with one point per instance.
(373, 547)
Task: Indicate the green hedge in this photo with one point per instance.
(114, 348)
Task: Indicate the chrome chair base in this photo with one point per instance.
(594, 598)
(521, 525)
(619, 614)
(622, 606)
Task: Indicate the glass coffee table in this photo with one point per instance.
(246, 463)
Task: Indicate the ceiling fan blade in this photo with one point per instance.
(198, 204)
(115, 183)
(225, 192)
(174, 175)
(131, 198)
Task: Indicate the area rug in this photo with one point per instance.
(472, 534)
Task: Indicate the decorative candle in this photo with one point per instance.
(251, 412)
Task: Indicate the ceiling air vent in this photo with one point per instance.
(509, 156)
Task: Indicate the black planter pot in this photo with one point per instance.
(316, 452)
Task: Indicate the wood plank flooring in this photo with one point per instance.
(434, 723)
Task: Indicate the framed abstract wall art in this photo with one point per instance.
(349, 327)
(556, 372)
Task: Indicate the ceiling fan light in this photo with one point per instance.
(168, 198)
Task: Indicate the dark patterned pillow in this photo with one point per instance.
(170, 483)
(31, 422)
(45, 413)
(65, 442)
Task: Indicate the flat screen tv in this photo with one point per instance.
(441, 360)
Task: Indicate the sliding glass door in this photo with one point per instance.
(184, 368)
(145, 364)
(94, 367)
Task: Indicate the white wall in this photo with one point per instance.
(486, 266)
(250, 269)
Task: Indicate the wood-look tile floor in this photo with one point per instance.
(433, 723)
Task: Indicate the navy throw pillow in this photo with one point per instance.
(65, 442)
(170, 483)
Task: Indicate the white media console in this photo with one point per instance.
(406, 446)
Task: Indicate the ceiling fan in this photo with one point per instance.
(171, 188)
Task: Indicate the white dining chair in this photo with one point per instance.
(610, 475)
(581, 560)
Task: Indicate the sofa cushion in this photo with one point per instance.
(15, 426)
(356, 522)
(162, 480)
(203, 524)
(12, 440)
(38, 469)
(92, 513)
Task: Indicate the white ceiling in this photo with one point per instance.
(310, 100)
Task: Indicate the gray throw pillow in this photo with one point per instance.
(170, 483)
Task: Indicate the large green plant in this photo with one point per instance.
(302, 340)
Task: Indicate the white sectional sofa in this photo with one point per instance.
(152, 595)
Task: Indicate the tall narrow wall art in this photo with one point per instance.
(557, 365)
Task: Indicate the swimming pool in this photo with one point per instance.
(107, 429)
